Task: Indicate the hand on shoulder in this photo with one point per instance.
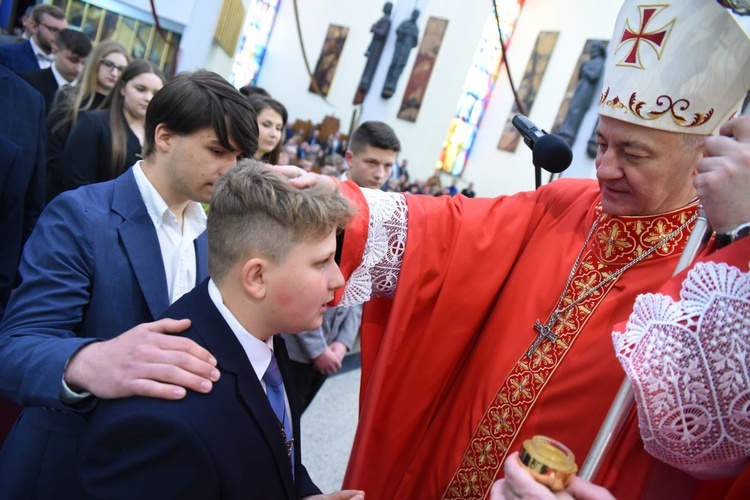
(144, 361)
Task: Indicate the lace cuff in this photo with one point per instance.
(377, 275)
(688, 362)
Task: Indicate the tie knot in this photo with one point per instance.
(272, 375)
(44, 57)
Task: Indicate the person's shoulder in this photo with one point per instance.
(568, 191)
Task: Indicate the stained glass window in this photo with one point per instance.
(253, 41)
(477, 88)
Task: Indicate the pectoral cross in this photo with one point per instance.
(288, 444)
(544, 332)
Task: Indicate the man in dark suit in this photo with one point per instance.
(36, 53)
(22, 166)
(71, 48)
(104, 260)
(22, 162)
(271, 258)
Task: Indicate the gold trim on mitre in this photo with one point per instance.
(682, 66)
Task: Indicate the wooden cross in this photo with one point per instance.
(544, 332)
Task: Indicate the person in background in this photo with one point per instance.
(373, 150)
(105, 142)
(272, 118)
(36, 52)
(468, 191)
(71, 48)
(105, 64)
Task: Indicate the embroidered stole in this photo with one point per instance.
(616, 242)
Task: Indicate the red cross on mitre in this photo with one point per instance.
(656, 39)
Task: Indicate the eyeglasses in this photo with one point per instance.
(51, 29)
(110, 65)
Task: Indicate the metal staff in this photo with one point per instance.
(624, 399)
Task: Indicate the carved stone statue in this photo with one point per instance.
(587, 86)
(379, 32)
(407, 36)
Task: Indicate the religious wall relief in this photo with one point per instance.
(583, 88)
(529, 86)
(422, 70)
(329, 59)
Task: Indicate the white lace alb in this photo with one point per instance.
(688, 362)
(377, 275)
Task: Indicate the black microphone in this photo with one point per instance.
(548, 151)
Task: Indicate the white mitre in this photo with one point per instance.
(681, 66)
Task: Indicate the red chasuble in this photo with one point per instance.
(447, 389)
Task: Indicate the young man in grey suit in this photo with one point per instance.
(110, 258)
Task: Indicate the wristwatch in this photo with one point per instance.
(724, 239)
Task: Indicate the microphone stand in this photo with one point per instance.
(625, 398)
(538, 176)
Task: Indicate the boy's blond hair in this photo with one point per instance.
(256, 212)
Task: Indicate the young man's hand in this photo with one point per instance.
(144, 361)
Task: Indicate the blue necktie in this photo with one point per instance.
(275, 392)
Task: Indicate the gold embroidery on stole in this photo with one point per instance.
(617, 241)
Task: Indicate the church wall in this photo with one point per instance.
(493, 171)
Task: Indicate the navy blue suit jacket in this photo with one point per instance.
(91, 269)
(18, 57)
(225, 444)
(22, 172)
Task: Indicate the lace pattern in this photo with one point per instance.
(377, 275)
(688, 362)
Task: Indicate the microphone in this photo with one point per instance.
(548, 151)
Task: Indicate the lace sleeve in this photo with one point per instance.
(688, 362)
(377, 275)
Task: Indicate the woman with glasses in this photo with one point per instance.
(106, 142)
(104, 65)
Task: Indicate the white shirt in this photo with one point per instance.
(177, 249)
(258, 352)
(176, 243)
(59, 78)
(46, 60)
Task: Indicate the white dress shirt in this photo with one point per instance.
(42, 58)
(258, 352)
(176, 243)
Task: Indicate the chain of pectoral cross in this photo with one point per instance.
(545, 331)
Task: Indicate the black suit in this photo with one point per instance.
(45, 82)
(87, 157)
(224, 444)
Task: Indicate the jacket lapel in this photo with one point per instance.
(141, 243)
(201, 257)
(222, 343)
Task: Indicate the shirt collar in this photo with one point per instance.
(37, 50)
(59, 78)
(157, 208)
(258, 352)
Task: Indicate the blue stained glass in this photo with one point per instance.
(477, 89)
(253, 42)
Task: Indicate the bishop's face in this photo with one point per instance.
(643, 171)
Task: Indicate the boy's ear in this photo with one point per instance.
(255, 277)
(163, 137)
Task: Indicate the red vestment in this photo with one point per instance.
(444, 374)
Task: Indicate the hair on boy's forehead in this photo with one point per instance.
(256, 211)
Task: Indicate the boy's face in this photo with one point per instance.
(371, 167)
(68, 64)
(302, 284)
